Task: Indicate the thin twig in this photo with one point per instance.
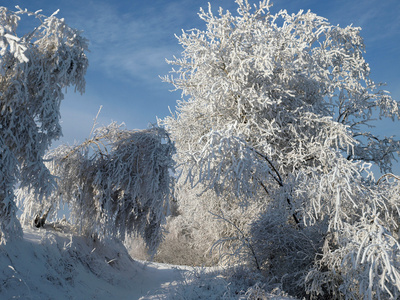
(95, 121)
(242, 234)
(387, 175)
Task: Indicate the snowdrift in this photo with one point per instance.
(54, 263)
(51, 264)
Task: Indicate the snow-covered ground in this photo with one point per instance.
(48, 264)
(51, 264)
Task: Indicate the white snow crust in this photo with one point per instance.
(49, 264)
(53, 263)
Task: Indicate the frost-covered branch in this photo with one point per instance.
(120, 187)
(275, 117)
(34, 70)
(242, 237)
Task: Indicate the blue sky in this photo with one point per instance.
(129, 41)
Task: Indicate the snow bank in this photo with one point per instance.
(52, 263)
(48, 264)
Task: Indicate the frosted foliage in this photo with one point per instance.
(274, 119)
(117, 183)
(364, 266)
(346, 242)
(264, 86)
(207, 229)
(34, 69)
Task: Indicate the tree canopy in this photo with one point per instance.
(276, 88)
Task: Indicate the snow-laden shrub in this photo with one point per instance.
(361, 261)
(188, 240)
(180, 248)
(284, 253)
(348, 230)
(207, 229)
(116, 184)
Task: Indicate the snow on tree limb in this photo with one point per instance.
(34, 69)
(275, 113)
(116, 183)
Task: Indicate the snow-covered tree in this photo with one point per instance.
(266, 92)
(278, 107)
(116, 183)
(34, 70)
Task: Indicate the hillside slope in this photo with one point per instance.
(49, 264)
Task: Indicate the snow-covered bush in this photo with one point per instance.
(207, 229)
(187, 241)
(361, 262)
(117, 183)
(284, 254)
(34, 70)
(361, 258)
(274, 118)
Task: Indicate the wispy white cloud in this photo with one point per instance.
(133, 44)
